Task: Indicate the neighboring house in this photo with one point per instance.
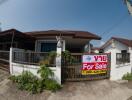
(45, 41)
(121, 56)
(96, 50)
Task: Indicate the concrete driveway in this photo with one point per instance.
(93, 90)
(88, 90)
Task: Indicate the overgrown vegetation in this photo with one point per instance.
(68, 58)
(50, 59)
(127, 76)
(29, 82)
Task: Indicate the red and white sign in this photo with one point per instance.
(94, 64)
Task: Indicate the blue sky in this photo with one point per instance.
(95, 16)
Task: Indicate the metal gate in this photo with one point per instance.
(72, 71)
(4, 60)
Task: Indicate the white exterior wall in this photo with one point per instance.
(117, 71)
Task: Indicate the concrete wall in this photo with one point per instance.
(17, 68)
(118, 70)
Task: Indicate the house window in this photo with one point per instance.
(122, 57)
(47, 47)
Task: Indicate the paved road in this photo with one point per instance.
(3, 75)
(90, 90)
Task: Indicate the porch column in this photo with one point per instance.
(113, 65)
(113, 72)
(63, 45)
(87, 47)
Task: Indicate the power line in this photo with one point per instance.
(115, 25)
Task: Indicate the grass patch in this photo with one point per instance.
(127, 76)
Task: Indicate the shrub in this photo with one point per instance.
(52, 85)
(69, 59)
(45, 72)
(127, 76)
(29, 82)
(47, 78)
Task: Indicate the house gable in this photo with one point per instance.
(118, 43)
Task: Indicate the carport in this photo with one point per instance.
(16, 39)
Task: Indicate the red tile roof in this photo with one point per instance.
(74, 34)
(124, 41)
(35, 34)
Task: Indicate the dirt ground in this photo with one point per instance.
(88, 90)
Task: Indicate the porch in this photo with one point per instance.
(73, 41)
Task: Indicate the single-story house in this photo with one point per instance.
(29, 48)
(45, 41)
(121, 56)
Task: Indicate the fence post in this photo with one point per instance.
(113, 71)
(10, 61)
(58, 59)
(58, 65)
(130, 51)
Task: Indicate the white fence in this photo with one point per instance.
(17, 68)
(118, 70)
(116, 73)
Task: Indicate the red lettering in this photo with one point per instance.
(96, 58)
(104, 58)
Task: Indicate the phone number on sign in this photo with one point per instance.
(86, 72)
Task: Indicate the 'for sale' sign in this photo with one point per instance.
(94, 64)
